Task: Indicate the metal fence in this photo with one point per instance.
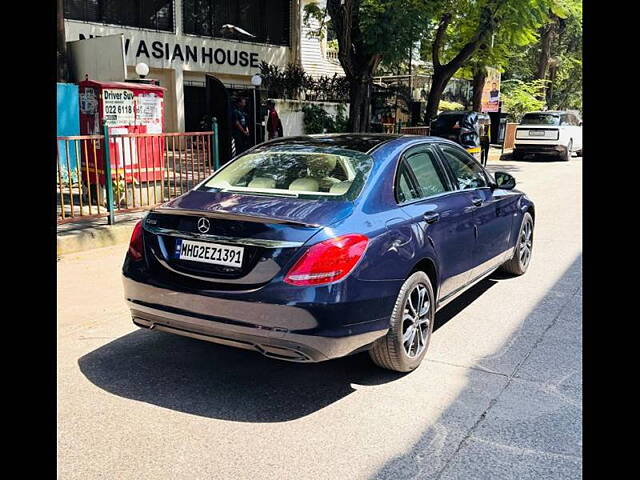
(415, 130)
(103, 175)
(398, 128)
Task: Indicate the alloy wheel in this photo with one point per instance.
(526, 243)
(415, 321)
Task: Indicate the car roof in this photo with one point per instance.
(360, 142)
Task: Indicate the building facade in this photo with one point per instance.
(183, 40)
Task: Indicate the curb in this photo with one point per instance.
(78, 240)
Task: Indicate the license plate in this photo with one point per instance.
(536, 133)
(206, 252)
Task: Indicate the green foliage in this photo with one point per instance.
(292, 82)
(390, 27)
(450, 106)
(566, 54)
(520, 97)
(318, 120)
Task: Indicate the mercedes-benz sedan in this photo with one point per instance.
(312, 248)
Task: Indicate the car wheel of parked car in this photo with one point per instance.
(524, 247)
(405, 344)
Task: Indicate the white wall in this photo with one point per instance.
(292, 117)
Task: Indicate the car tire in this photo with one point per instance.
(524, 248)
(393, 351)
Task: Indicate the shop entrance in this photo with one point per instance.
(195, 108)
(220, 102)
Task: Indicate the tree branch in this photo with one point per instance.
(439, 40)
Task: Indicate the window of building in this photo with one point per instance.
(268, 20)
(151, 14)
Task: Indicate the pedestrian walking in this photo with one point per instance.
(274, 125)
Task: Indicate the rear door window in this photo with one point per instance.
(430, 178)
(468, 174)
(406, 189)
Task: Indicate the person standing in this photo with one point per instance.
(239, 125)
(274, 125)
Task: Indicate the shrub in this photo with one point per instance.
(318, 120)
(450, 106)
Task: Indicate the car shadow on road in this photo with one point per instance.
(457, 305)
(217, 381)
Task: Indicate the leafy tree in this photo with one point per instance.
(464, 27)
(368, 31)
(563, 70)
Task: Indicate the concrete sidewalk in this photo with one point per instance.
(87, 235)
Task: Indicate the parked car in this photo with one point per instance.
(548, 133)
(472, 130)
(311, 248)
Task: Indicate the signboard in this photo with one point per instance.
(101, 58)
(118, 107)
(491, 91)
(167, 51)
(149, 111)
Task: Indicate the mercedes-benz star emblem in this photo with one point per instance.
(203, 225)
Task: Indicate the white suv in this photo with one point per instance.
(555, 133)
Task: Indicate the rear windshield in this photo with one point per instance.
(540, 119)
(295, 171)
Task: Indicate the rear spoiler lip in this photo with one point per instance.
(232, 216)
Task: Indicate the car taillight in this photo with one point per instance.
(136, 248)
(328, 261)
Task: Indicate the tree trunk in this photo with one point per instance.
(552, 77)
(438, 84)
(360, 105)
(356, 61)
(545, 52)
(479, 78)
(62, 45)
(546, 40)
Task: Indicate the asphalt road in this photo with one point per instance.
(498, 395)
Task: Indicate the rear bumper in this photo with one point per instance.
(540, 149)
(262, 327)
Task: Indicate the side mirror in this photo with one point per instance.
(504, 180)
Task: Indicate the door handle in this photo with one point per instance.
(431, 217)
(477, 201)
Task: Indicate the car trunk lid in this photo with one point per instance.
(270, 231)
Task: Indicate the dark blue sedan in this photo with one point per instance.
(311, 248)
